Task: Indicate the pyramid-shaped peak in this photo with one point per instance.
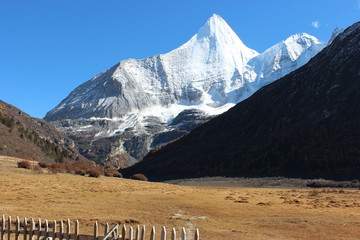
(216, 17)
(215, 26)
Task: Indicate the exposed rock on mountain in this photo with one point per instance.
(304, 125)
(137, 100)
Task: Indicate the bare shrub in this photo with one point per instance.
(139, 176)
(80, 172)
(95, 172)
(38, 169)
(24, 164)
(44, 164)
(56, 168)
(110, 172)
(69, 167)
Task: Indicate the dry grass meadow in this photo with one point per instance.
(220, 213)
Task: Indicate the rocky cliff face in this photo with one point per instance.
(136, 101)
(306, 124)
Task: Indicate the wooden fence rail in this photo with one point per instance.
(29, 229)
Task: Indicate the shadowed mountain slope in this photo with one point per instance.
(307, 124)
(119, 115)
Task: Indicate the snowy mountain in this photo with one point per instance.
(205, 70)
(282, 58)
(139, 99)
(304, 125)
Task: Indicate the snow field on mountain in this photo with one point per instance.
(211, 72)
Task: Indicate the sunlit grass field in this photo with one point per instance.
(219, 213)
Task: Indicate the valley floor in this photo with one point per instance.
(227, 213)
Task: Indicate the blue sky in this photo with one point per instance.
(49, 47)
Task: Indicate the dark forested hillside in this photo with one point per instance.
(306, 124)
(31, 138)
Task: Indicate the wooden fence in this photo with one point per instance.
(44, 230)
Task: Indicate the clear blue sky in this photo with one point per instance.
(49, 47)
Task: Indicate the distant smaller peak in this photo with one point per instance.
(334, 34)
(301, 38)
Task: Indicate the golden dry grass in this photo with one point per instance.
(229, 213)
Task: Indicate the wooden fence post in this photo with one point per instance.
(54, 229)
(123, 232)
(96, 230)
(152, 234)
(17, 228)
(68, 229)
(9, 227)
(183, 234)
(77, 228)
(131, 233)
(173, 234)
(106, 229)
(163, 233)
(25, 228)
(137, 233)
(2, 228)
(143, 233)
(32, 228)
(61, 230)
(117, 233)
(39, 229)
(197, 235)
(46, 234)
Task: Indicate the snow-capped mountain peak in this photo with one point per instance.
(210, 73)
(297, 43)
(276, 61)
(216, 28)
(215, 25)
(220, 37)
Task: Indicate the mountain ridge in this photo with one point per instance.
(136, 100)
(31, 138)
(303, 125)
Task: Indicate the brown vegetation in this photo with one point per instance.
(24, 164)
(34, 139)
(111, 172)
(72, 168)
(43, 164)
(95, 171)
(139, 176)
(219, 212)
(80, 172)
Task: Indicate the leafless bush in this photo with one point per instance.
(24, 164)
(95, 172)
(44, 164)
(80, 172)
(38, 169)
(139, 176)
(56, 168)
(110, 172)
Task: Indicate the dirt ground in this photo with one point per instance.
(219, 212)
